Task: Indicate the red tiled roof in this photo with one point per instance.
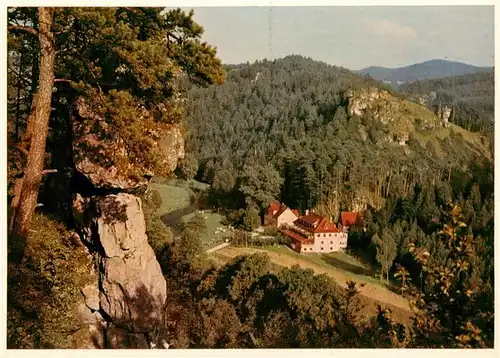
(348, 218)
(319, 224)
(274, 207)
(296, 212)
(311, 218)
(297, 237)
(326, 226)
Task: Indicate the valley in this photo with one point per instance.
(163, 196)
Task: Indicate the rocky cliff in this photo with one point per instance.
(393, 120)
(126, 302)
(401, 117)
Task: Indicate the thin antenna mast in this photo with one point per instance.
(270, 40)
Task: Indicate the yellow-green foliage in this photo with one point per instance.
(128, 66)
(158, 234)
(45, 288)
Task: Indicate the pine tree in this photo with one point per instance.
(386, 250)
(26, 188)
(122, 66)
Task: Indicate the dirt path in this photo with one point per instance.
(218, 247)
(374, 294)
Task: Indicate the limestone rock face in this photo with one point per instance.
(172, 146)
(119, 338)
(361, 101)
(94, 142)
(130, 293)
(91, 295)
(132, 286)
(399, 115)
(93, 330)
(120, 225)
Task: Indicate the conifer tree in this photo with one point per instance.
(122, 66)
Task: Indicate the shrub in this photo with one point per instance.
(158, 233)
(44, 289)
(271, 231)
(244, 238)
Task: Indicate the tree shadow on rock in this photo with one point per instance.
(144, 327)
(115, 211)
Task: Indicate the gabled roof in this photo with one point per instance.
(348, 218)
(311, 218)
(318, 224)
(279, 209)
(274, 207)
(325, 226)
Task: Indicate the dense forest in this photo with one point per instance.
(283, 130)
(273, 130)
(472, 97)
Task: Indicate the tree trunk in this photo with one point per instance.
(39, 118)
(388, 185)
(18, 103)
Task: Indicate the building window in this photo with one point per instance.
(331, 242)
(311, 249)
(324, 235)
(321, 241)
(331, 248)
(321, 248)
(329, 235)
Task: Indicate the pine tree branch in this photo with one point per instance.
(17, 74)
(22, 150)
(26, 29)
(49, 171)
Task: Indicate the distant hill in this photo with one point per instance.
(426, 70)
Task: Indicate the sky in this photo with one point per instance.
(353, 37)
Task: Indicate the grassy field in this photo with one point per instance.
(340, 267)
(179, 206)
(213, 220)
(173, 197)
(351, 267)
(473, 140)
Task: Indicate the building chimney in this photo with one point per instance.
(307, 211)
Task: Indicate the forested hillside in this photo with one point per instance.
(288, 122)
(316, 136)
(472, 96)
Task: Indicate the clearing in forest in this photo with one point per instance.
(180, 204)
